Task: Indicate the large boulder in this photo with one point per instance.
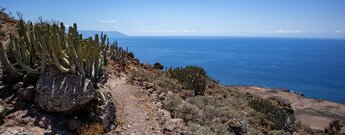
(57, 92)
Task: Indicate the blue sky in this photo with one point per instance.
(276, 18)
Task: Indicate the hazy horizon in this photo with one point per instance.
(266, 18)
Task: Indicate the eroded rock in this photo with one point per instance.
(103, 110)
(17, 86)
(148, 85)
(1, 74)
(26, 94)
(174, 126)
(56, 92)
(2, 111)
(163, 116)
(235, 126)
(335, 127)
(158, 66)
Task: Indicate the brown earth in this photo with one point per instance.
(135, 112)
(314, 113)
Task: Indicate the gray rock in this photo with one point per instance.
(2, 111)
(26, 94)
(57, 92)
(148, 85)
(159, 105)
(17, 86)
(163, 116)
(1, 74)
(174, 126)
(150, 90)
(104, 110)
(342, 130)
(13, 132)
(235, 125)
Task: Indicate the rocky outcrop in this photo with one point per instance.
(26, 94)
(56, 92)
(1, 74)
(236, 126)
(335, 127)
(163, 116)
(2, 111)
(103, 110)
(158, 66)
(174, 127)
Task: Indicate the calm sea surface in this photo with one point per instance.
(314, 67)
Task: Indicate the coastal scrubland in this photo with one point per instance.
(58, 82)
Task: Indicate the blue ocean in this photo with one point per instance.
(314, 67)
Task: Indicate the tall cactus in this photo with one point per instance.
(41, 45)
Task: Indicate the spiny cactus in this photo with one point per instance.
(117, 53)
(41, 45)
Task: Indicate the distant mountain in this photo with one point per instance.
(111, 34)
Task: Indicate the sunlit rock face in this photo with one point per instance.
(66, 93)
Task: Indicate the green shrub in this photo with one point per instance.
(197, 129)
(192, 77)
(280, 114)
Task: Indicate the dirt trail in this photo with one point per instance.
(136, 115)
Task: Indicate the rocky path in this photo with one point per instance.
(136, 115)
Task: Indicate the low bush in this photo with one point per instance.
(280, 114)
(192, 77)
(198, 129)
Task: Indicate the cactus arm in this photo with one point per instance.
(74, 58)
(43, 58)
(55, 57)
(34, 43)
(6, 62)
(62, 55)
(21, 63)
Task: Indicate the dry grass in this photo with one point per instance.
(92, 129)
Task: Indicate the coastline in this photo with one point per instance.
(315, 113)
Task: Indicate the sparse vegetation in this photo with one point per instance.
(92, 129)
(220, 111)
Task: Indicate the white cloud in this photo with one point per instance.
(340, 31)
(284, 31)
(108, 21)
(178, 31)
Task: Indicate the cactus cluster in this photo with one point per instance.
(40, 45)
(116, 53)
